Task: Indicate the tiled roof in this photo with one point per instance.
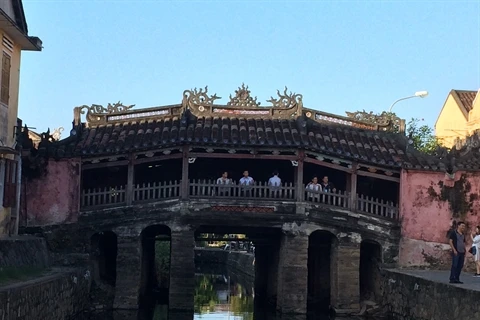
(241, 123)
(333, 139)
(466, 98)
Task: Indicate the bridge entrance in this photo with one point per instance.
(322, 263)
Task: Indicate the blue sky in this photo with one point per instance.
(341, 55)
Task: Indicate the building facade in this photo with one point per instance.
(459, 117)
(15, 39)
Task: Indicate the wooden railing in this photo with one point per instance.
(376, 206)
(99, 197)
(337, 199)
(156, 191)
(210, 189)
(201, 189)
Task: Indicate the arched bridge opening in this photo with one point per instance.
(155, 261)
(103, 263)
(370, 266)
(103, 255)
(322, 265)
(251, 257)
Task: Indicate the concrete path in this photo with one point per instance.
(469, 281)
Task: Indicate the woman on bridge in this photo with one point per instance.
(476, 245)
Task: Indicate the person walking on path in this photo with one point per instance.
(476, 245)
(457, 243)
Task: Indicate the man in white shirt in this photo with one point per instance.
(224, 180)
(275, 182)
(246, 180)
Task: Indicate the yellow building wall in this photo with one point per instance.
(5, 217)
(474, 115)
(451, 123)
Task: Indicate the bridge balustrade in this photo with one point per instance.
(209, 189)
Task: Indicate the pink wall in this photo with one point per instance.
(53, 198)
(426, 215)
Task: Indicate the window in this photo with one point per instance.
(5, 91)
(10, 183)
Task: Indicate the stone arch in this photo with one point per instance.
(370, 263)
(155, 257)
(103, 257)
(322, 257)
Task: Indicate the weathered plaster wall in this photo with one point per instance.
(54, 197)
(410, 297)
(56, 296)
(430, 201)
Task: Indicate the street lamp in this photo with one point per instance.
(418, 94)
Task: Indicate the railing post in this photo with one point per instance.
(184, 189)
(299, 194)
(353, 187)
(130, 179)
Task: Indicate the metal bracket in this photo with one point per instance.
(294, 163)
(191, 160)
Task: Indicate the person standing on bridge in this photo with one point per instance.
(274, 183)
(476, 245)
(246, 181)
(327, 186)
(457, 243)
(315, 187)
(224, 181)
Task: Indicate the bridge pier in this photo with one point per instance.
(293, 274)
(182, 269)
(346, 277)
(266, 274)
(127, 288)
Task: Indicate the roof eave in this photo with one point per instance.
(26, 42)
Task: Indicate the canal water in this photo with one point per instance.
(219, 295)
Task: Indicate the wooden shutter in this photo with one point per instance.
(5, 91)
(10, 185)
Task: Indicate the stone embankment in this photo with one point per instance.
(24, 251)
(426, 295)
(56, 296)
(236, 260)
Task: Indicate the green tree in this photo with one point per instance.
(422, 137)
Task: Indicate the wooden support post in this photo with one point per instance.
(353, 186)
(130, 179)
(300, 192)
(184, 188)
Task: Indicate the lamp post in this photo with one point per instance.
(418, 94)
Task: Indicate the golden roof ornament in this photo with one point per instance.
(95, 110)
(198, 97)
(286, 100)
(243, 99)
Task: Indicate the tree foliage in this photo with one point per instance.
(421, 137)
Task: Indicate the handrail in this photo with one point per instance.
(209, 189)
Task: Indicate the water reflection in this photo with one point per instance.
(219, 295)
(224, 295)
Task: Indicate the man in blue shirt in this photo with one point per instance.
(457, 243)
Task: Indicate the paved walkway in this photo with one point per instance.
(469, 281)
